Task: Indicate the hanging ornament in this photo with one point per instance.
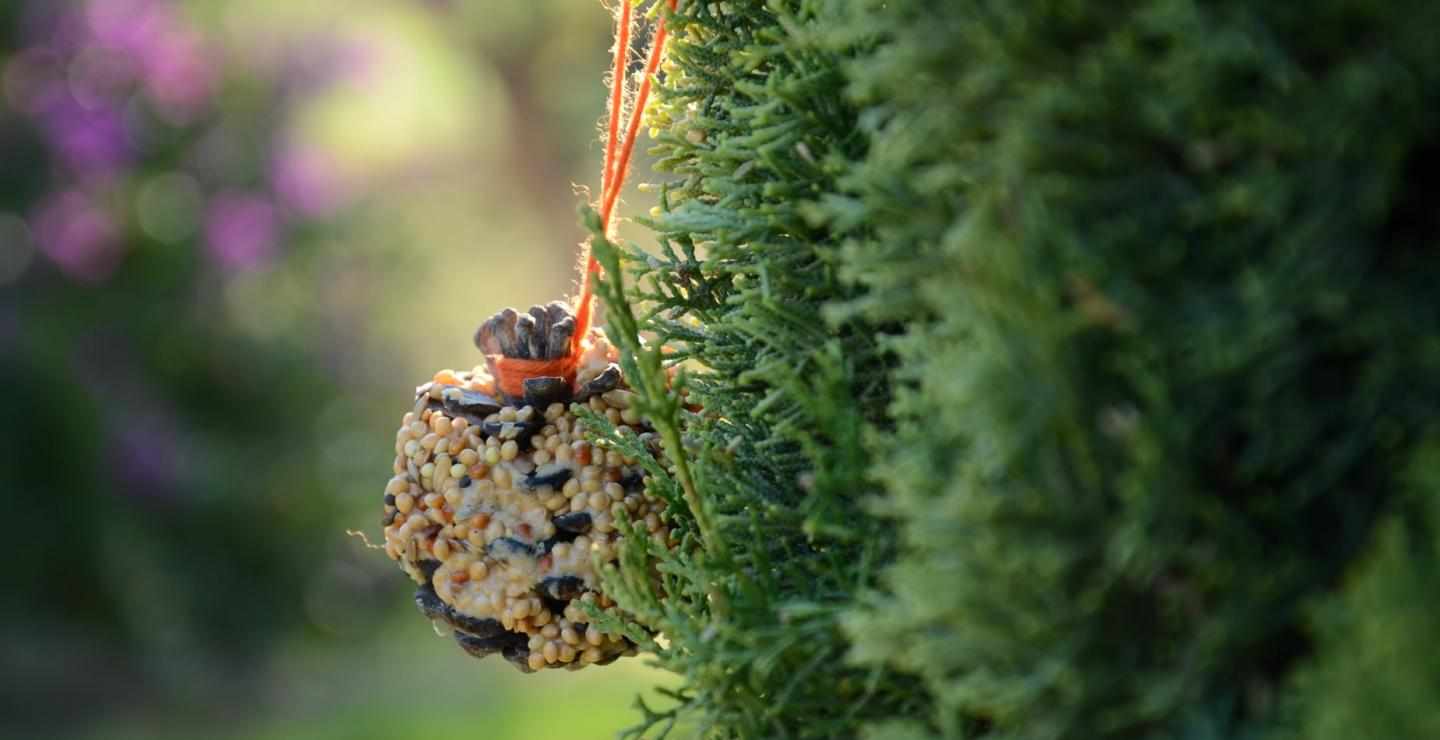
(499, 508)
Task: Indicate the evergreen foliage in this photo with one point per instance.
(1047, 370)
(774, 460)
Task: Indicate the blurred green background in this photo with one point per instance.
(233, 237)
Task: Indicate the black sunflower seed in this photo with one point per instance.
(433, 607)
(561, 333)
(576, 522)
(557, 311)
(539, 336)
(477, 626)
(562, 588)
(633, 479)
(429, 602)
(471, 403)
(504, 331)
(478, 647)
(552, 475)
(608, 380)
(524, 332)
(542, 391)
(485, 339)
(520, 431)
(518, 654)
(506, 548)
(482, 647)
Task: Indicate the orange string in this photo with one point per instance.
(632, 131)
(616, 167)
(617, 94)
(511, 372)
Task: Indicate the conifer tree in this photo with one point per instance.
(1046, 370)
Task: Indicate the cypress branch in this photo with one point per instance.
(1046, 371)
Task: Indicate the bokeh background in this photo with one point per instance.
(234, 235)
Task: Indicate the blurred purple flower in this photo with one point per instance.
(171, 58)
(144, 453)
(241, 231)
(125, 25)
(305, 180)
(93, 142)
(100, 78)
(177, 74)
(77, 236)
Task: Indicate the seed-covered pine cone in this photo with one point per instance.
(501, 510)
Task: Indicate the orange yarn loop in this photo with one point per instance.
(511, 373)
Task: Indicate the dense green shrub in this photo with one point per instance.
(1179, 342)
(1062, 370)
